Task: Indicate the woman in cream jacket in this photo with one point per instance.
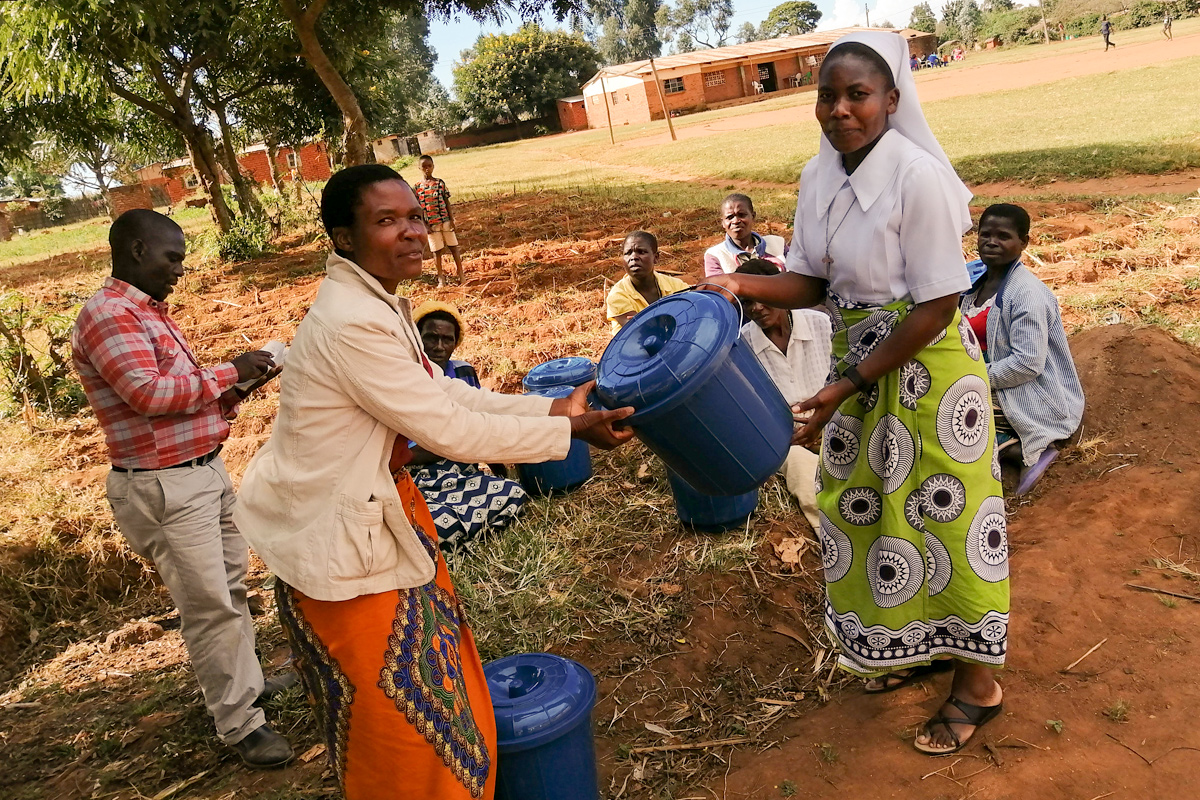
(379, 636)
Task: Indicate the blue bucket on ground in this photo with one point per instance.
(558, 477)
(708, 513)
(705, 406)
(543, 706)
(571, 371)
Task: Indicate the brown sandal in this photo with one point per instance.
(977, 716)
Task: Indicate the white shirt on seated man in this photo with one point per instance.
(794, 348)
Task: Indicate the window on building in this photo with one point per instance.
(191, 180)
(673, 85)
(714, 79)
(293, 159)
(614, 97)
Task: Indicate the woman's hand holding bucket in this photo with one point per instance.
(594, 427)
(821, 406)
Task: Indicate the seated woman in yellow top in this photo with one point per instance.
(641, 285)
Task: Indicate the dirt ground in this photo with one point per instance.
(741, 656)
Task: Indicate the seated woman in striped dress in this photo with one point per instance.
(1037, 396)
(465, 501)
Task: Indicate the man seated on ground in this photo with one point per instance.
(642, 285)
(1036, 393)
(164, 418)
(794, 348)
(464, 500)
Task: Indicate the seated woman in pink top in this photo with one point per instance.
(741, 243)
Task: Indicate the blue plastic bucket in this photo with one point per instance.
(705, 406)
(571, 371)
(543, 706)
(708, 513)
(558, 477)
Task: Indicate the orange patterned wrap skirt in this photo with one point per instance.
(397, 684)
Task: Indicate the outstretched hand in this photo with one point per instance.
(599, 428)
(815, 412)
(574, 404)
(254, 364)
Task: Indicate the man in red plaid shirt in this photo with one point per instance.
(164, 418)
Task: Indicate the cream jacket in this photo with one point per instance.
(317, 502)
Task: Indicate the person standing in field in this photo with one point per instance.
(1106, 32)
(1167, 20)
(164, 418)
(435, 199)
(364, 595)
(913, 528)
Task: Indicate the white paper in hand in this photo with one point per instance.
(278, 351)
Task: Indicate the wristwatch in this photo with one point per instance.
(858, 380)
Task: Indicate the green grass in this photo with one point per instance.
(79, 237)
(1137, 121)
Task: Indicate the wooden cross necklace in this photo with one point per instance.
(828, 259)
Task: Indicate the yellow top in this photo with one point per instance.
(623, 298)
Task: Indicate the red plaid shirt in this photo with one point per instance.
(156, 405)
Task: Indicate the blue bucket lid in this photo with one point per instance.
(537, 697)
(561, 390)
(572, 371)
(670, 347)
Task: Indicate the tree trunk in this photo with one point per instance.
(204, 161)
(356, 145)
(243, 188)
(273, 158)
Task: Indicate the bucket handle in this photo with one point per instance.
(737, 301)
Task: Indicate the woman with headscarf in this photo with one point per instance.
(464, 501)
(378, 634)
(912, 519)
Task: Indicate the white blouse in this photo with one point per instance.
(892, 227)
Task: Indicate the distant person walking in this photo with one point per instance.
(1106, 32)
(1167, 20)
(164, 418)
(435, 200)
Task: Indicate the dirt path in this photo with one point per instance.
(1095, 528)
(957, 82)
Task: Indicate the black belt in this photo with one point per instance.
(199, 461)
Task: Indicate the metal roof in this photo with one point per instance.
(737, 52)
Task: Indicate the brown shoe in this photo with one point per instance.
(263, 748)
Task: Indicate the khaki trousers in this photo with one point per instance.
(182, 520)
(800, 474)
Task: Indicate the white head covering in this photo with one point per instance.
(908, 119)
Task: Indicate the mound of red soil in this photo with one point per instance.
(1120, 509)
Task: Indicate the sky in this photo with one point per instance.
(451, 38)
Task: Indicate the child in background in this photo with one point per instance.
(641, 285)
(435, 199)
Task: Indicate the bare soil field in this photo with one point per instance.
(716, 680)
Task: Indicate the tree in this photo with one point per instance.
(697, 22)
(362, 16)
(622, 30)
(922, 19)
(641, 29)
(147, 52)
(791, 19)
(749, 32)
(968, 20)
(521, 75)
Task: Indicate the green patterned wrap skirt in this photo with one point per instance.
(913, 536)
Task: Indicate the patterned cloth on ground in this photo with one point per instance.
(397, 684)
(913, 534)
(466, 502)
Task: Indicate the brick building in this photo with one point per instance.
(702, 79)
(310, 161)
(572, 115)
